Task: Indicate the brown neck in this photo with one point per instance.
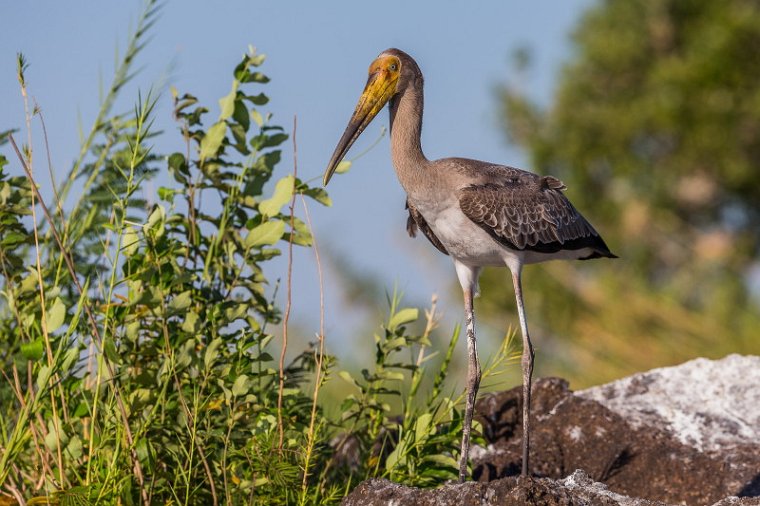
(406, 129)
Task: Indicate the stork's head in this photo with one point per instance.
(389, 74)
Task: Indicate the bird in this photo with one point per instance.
(478, 213)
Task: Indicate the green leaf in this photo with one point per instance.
(265, 234)
(240, 387)
(154, 227)
(275, 140)
(178, 163)
(346, 376)
(212, 352)
(72, 354)
(259, 99)
(51, 440)
(255, 59)
(241, 115)
(403, 316)
(318, 194)
(32, 351)
(43, 376)
(190, 325)
(12, 239)
(166, 194)
(422, 427)
(283, 191)
(256, 116)
(185, 354)
(28, 284)
(343, 167)
(235, 312)
(392, 375)
(132, 330)
(74, 448)
(264, 140)
(302, 234)
(396, 457)
(257, 77)
(396, 342)
(109, 349)
(130, 241)
(227, 103)
(441, 460)
(56, 315)
(212, 141)
(180, 302)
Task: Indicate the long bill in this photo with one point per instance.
(380, 88)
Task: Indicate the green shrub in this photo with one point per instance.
(139, 341)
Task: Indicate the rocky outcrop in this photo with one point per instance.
(576, 489)
(712, 406)
(688, 434)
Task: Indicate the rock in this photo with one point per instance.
(711, 405)
(577, 489)
(738, 501)
(688, 434)
(568, 433)
(595, 492)
(636, 447)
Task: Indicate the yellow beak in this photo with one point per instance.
(381, 86)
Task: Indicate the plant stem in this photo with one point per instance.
(289, 301)
(90, 316)
(319, 354)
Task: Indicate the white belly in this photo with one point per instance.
(464, 240)
(471, 245)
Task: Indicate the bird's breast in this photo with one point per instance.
(462, 238)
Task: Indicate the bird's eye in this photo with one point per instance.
(392, 67)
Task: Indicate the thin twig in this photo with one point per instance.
(59, 207)
(319, 355)
(190, 196)
(90, 317)
(17, 494)
(38, 265)
(288, 304)
(58, 204)
(16, 387)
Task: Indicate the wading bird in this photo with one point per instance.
(478, 213)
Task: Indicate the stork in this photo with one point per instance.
(479, 213)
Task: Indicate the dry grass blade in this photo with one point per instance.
(289, 289)
(90, 316)
(320, 352)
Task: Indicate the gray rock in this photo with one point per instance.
(577, 490)
(688, 434)
(710, 405)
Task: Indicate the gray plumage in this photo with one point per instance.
(478, 213)
(522, 210)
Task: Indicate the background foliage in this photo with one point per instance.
(142, 354)
(143, 358)
(655, 129)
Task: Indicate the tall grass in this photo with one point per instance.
(138, 340)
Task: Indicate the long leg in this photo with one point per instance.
(527, 368)
(473, 381)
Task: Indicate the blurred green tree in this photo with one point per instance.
(655, 129)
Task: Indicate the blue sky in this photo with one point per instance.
(318, 54)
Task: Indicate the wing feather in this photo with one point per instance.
(525, 211)
(415, 221)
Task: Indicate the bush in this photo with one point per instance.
(138, 351)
